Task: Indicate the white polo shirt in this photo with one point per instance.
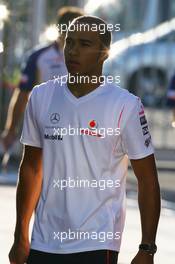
(82, 202)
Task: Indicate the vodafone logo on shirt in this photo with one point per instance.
(92, 130)
(92, 124)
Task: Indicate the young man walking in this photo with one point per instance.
(78, 137)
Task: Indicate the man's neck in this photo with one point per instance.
(80, 89)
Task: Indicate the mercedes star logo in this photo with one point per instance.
(55, 118)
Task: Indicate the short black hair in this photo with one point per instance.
(105, 38)
(67, 13)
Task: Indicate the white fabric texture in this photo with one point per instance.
(83, 157)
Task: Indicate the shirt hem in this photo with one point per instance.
(69, 251)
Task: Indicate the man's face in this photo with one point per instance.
(83, 52)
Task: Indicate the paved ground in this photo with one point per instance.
(165, 237)
(131, 238)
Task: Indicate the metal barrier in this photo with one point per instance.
(163, 134)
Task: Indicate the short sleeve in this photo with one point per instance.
(31, 132)
(136, 138)
(28, 73)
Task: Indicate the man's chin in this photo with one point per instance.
(73, 73)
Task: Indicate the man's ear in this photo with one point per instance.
(104, 54)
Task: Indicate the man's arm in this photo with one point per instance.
(149, 203)
(16, 109)
(28, 192)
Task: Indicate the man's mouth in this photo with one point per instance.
(73, 63)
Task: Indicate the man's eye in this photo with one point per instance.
(68, 41)
(85, 44)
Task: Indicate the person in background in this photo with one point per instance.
(41, 65)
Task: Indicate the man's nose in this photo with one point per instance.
(74, 50)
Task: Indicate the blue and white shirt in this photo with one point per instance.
(41, 65)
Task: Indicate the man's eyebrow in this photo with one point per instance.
(81, 39)
(86, 40)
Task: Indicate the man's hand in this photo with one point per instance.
(19, 252)
(143, 258)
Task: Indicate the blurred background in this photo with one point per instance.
(142, 54)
